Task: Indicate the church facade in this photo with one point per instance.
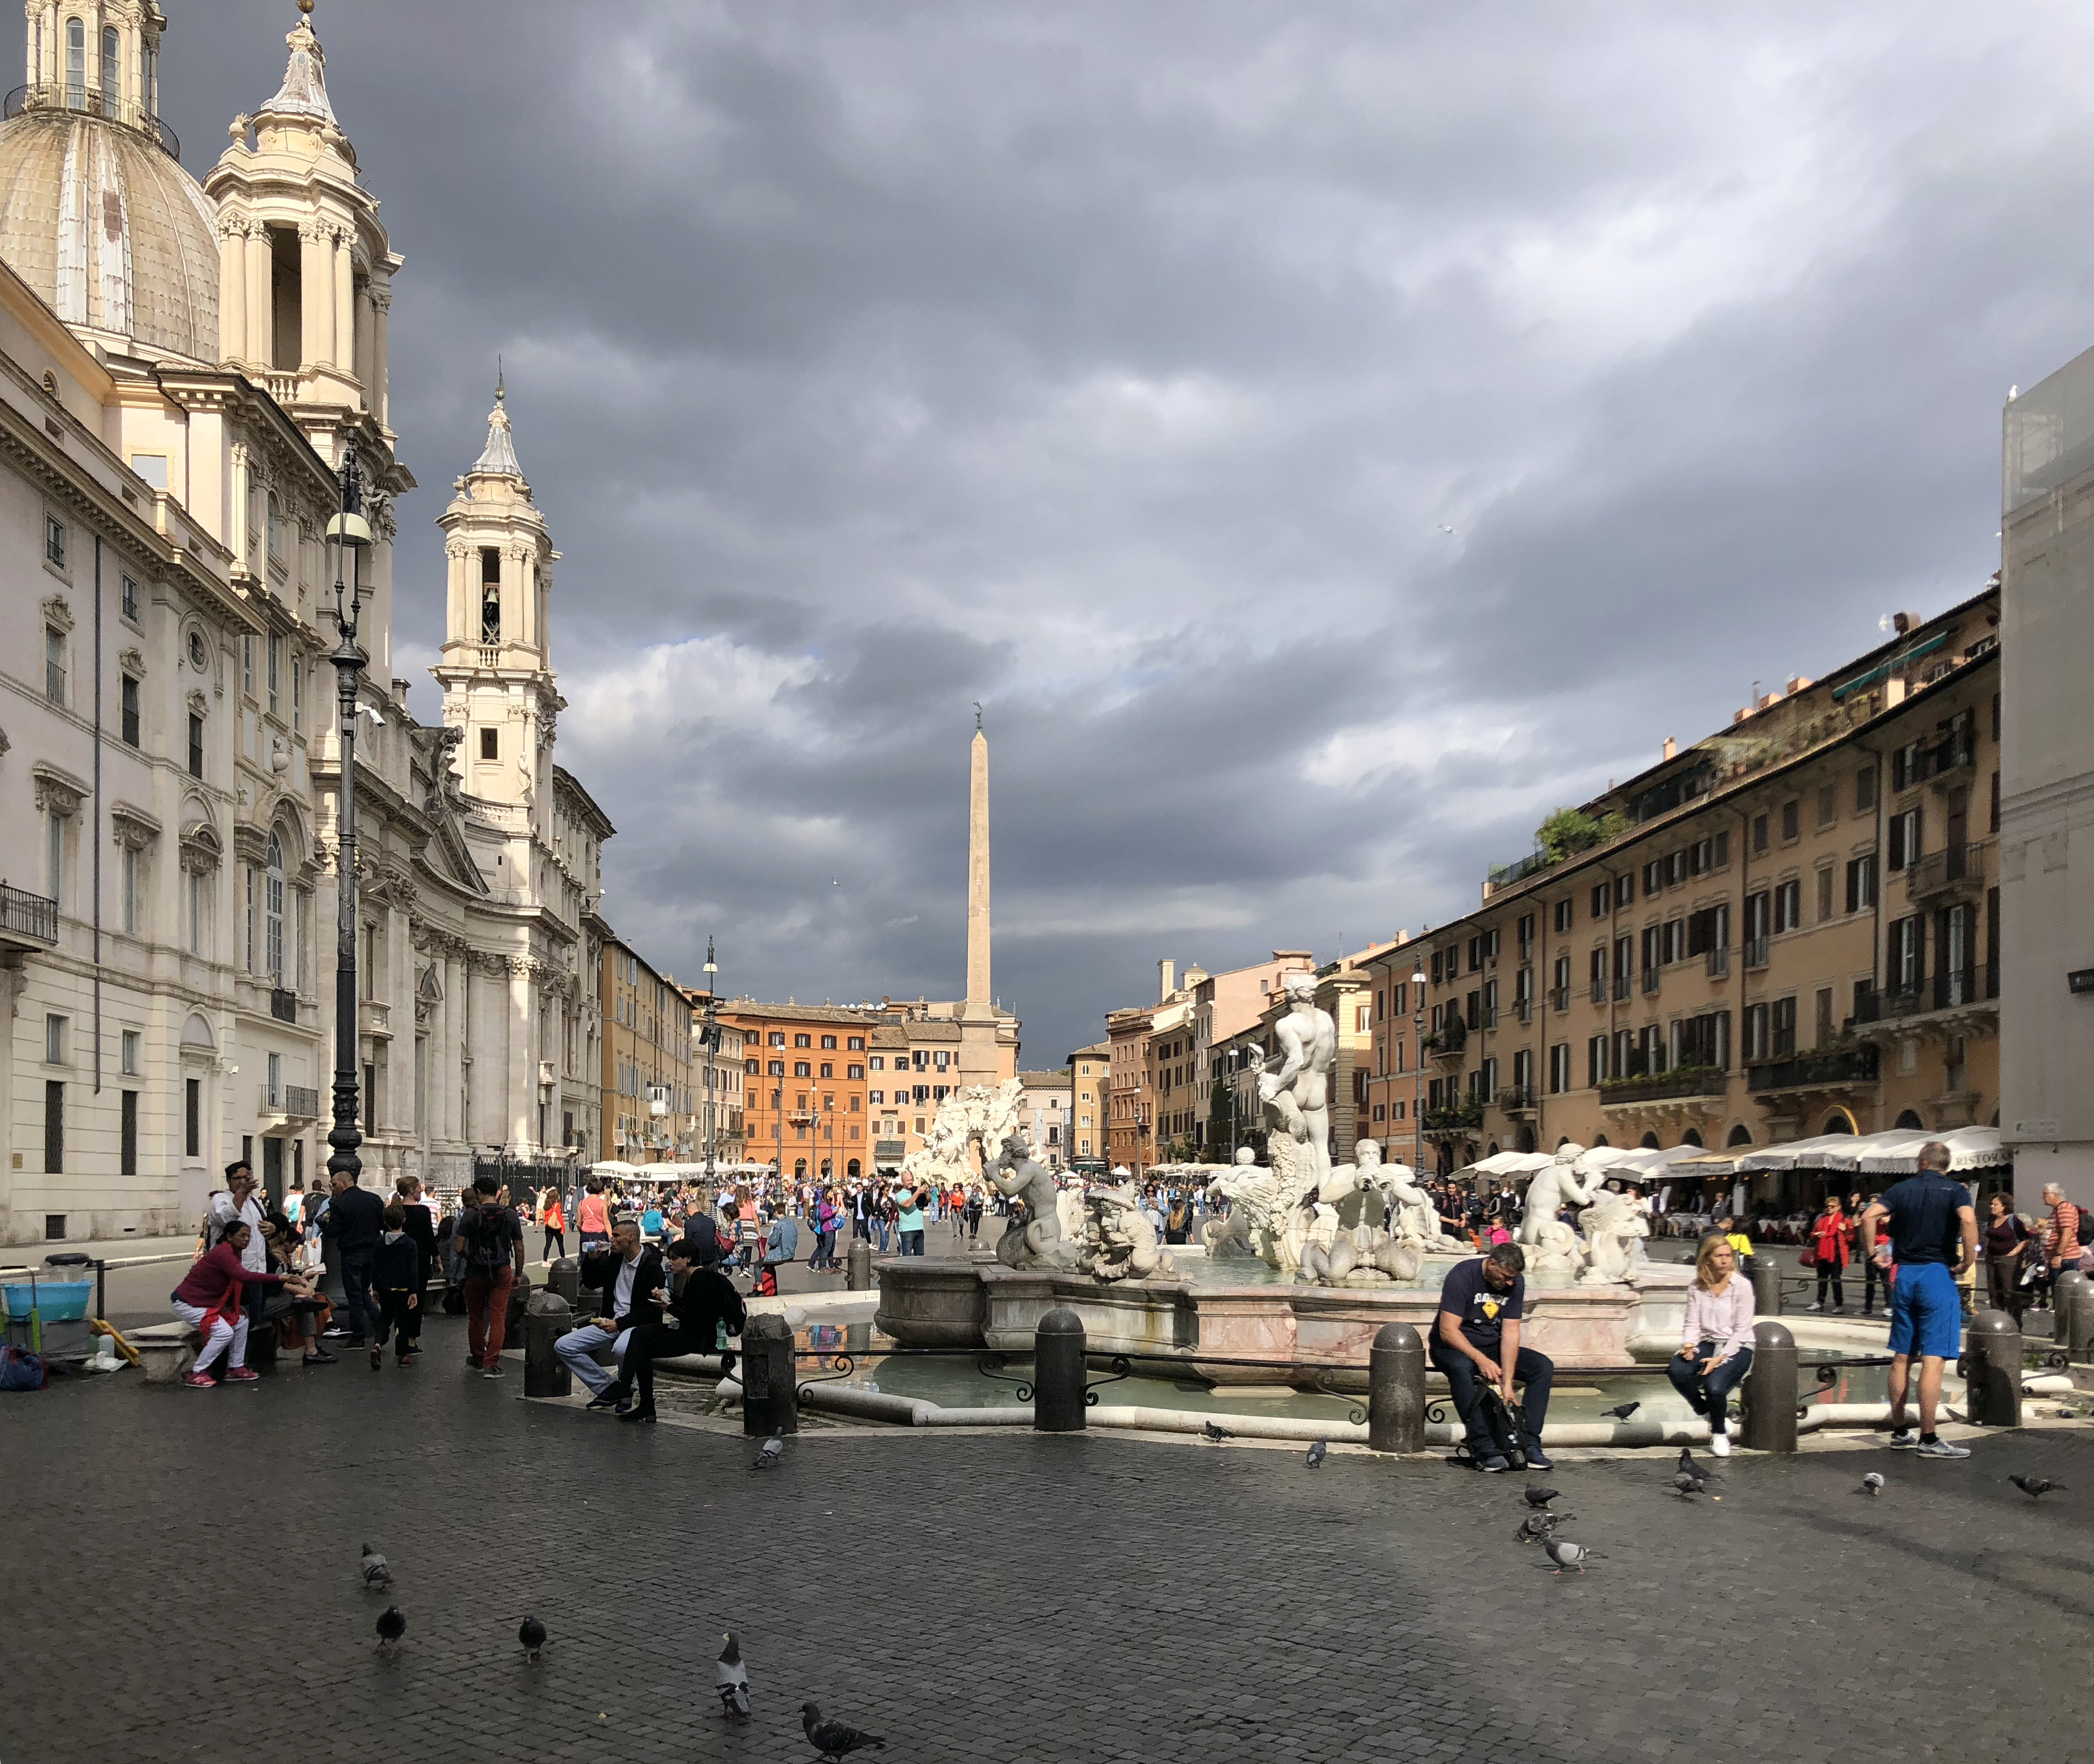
(184, 366)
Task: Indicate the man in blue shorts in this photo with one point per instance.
(1933, 1230)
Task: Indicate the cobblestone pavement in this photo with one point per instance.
(173, 1555)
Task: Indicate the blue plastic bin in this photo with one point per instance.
(59, 1300)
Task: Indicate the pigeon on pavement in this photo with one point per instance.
(1538, 1527)
(833, 1738)
(1538, 1497)
(773, 1451)
(1689, 1467)
(1567, 1554)
(1872, 1484)
(392, 1625)
(1217, 1434)
(731, 1676)
(1317, 1454)
(1622, 1411)
(2035, 1487)
(532, 1634)
(377, 1571)
(1687, 1486)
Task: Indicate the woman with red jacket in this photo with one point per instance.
(210, 1301)
(1832, 1239)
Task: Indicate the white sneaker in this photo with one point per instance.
(1719, 1443)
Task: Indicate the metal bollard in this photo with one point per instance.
(770, 1381)
(547, 1318)
(1395, 1390)
(1769, 1422)
(1766, 1286)
(565, 1278)
(1057, 1373)
(858, 1268)
(1992, 1370)
(2079, 1321)
(2064, 1294)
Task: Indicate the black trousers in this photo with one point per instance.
(397, 1317)
(1830, 1274)
(651, 1342)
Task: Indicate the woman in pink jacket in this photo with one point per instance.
(1715, 1349)
(210, 1300)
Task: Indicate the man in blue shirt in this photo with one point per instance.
(1933, 1230)
(1475, 1343)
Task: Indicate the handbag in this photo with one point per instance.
(1807, 1256)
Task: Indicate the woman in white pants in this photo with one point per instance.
(210, 1300)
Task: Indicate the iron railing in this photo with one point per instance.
(29, 915)
(1659, 1087)
(1816, 1072)
(1516, 1099)
(1652, 979)
(1756, 951)
(1940, 872)
(88, 100)
(1719, 962)
(282, 1004)
(1505, 875)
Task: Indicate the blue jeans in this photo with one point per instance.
(1535, 1373)
(1709, 1395)
(912, 1243)
(356, 1292)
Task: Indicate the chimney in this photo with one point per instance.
(1166, 979)
(1894, 691)
(1671, 747)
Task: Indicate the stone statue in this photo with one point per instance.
(1554, 1186)
(1265, 1204)
(1017, 1174)
(1298, 1093)
(1413, 1215)
(1119, 1241)
(1227, 1236)
(1614, 1229)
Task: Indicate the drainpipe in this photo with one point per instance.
(95, 829)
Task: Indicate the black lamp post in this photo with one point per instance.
(1417, 1073)
(351, 533)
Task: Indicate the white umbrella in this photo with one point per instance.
(1796, 1153)
(1970, 1148)
(1509, 1164)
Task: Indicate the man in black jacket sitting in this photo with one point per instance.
(628, 1274)
(707, 1301)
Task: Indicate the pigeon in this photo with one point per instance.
(1872, 1484)
(1317, 1454)
(1538, 1527)
(1538, 1497)
(1567, 1554)
(377, 1571)
(773, 1451)
(2036, 1487)
(1622, 1411)
(731, 1677)
(532, 1633)
(1687, 1486)
(1689, 1467)
(833, 1738)
(1217, 1434)
(392, 1625)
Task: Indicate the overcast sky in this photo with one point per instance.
(1126, 366)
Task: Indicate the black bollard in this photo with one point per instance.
(1395, 1390)
(770, 1380)
(565, 1278)
(1992, 1370)
(546, 1319)
(1769, 1391)
(1766, 1286)
(1057, 1373)
(2064, 1294)
(2079, 1321)
(858, 1265)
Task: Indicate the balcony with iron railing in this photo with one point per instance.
(27, 921)
(1463, 1118)
(87, 101)
(1952, 989)
(1599, 992)
(293, 1102)
(282, 1004)
(1682, 1081)
(1517, 1099)
(1652, 979)
(1756, 951)
(1945, 762)
(1944, 874)
(1559, 999)
(1838, 1070)
(1624, 985)
(1719, 962)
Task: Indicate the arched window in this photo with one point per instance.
(1650, 1142)
(76, 65)
(852, 1168)
(112, 76)
(1691, 1137)
(1740, 1135)
(1839, 1121)
(273, 911)
(1908, 1122)
(799, 1169)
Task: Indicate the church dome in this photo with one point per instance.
(107, 228)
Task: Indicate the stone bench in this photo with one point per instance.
(165, 1351)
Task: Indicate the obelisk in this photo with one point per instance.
(979, 1064)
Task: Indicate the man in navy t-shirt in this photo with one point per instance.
(1476, 1342)
(1933, 1230)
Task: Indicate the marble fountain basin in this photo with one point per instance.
(1242, 1311)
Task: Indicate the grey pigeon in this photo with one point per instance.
(1317, 1454)
(1567, 1554)
(1217, 1434)
(532, 1634)
(1538, 1497)
(392, 1625)
(1622, 1411)
(1689, 1467)
(731, 1676)
(1538, 1527)
(833, 1738)
(1687, 1486)
(1872, 1484)
(377, 1572)
(772, 1454)
(2036, 1487)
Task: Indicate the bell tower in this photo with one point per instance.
(496, 670)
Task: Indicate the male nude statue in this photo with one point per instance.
(1299, 1091)
(1041, 1244)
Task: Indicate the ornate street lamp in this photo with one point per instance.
(1418, 1074)
(712, 1049)
(351, 534)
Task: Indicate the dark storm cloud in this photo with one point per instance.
(1121, 366)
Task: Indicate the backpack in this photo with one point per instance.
(21, 1369)
(1498, 1424)
(491, 1240)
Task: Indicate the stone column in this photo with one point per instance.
(232, 286)
(345, 301)
(377, 386)
(315, 295)
(261, 297)
(520, 1108)
(363, 360)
